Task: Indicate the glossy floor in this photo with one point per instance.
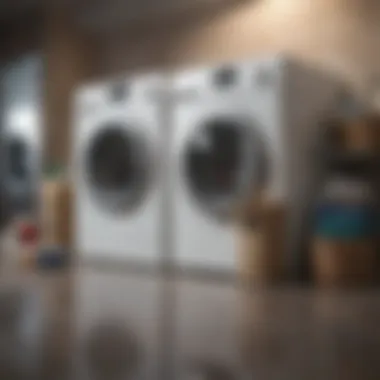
(95, 324)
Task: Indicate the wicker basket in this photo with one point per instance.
(344, 263)
(56, 213)
(261, 244)
(363, 135)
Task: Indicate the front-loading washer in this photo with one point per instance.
(240, 129)
(116, 173)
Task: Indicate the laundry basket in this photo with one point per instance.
(56, 213)
(261, 243)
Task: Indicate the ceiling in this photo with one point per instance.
(8, 8)
(101, 15)
(110, 14)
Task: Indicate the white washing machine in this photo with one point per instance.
(237, 128)
(21, 91)
(116, 170)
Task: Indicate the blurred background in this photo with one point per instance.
(263, 267)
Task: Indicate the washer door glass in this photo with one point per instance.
(18, 160)
(117, 168)
(221, 161)
(20, 180)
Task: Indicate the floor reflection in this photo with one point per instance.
(101, 325)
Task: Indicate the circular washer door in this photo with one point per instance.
(18, 160)
(223, 159)
(20, 178)
(117, 167)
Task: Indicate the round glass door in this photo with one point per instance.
(221, 160)
(18, 160)
(20, 180)
(117, 168)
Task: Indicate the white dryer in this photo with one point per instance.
(237, 128)
(116, 172)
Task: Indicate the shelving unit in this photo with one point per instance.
(333, 156)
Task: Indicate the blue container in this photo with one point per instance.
(347, 205)
(52, 258)
(346, 221)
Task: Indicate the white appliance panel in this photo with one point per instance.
(133, 234)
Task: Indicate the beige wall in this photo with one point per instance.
(68, 63)
(343, 35)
